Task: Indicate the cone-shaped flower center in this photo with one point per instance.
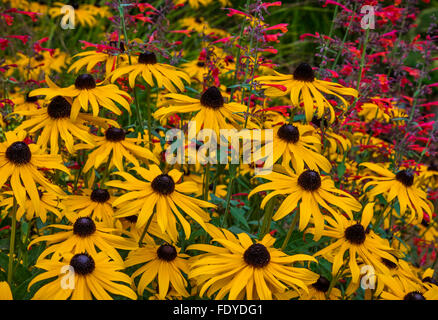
(322, 284)
(200, 64)
(309, 180)
(82, 263)
(59, 108)
(147, 57)
(406, 177)
(414, 295)
(84, 227)
(304, 72)
(39, 58)
(257, 256)
(115, 134)
(167, 252)
(85, 81)
(100, 195)
(289, 133)
(163, 184)
(212, 98)
(355, 234)
(18, 153)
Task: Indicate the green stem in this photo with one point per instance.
(140, 241)
(289, 233)
(12, 241)
(267, 217)
(227, 207)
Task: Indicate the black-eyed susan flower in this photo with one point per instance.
(87, 92)
(114, 147)
(196, 69)
(297, 144)
(19, 163)
(244, 269)
(398, 186)
(163, 192)
(361, 243)
(109, 58)
(96, 204)
(94, 276)
(26, 103)
(311, 191)
(149, 69)
(84, 235)
(49, 202)
(53, 123)
(317, 291)
(396, 290)
(212, 112)
(303, 86)
(164, 264)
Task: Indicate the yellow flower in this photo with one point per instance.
(20, 162)
(246, 270)
(93, 277)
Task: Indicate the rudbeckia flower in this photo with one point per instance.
(19, 162)
(163, 263)
(26, 103)
(246, 270)
(116, 146)
(211, 110)
(396, 290)
(86, 92)
(196, 69)
(91, 58)
(147, 65)
(317, 291)
(358, 240)
(303, 86)
(163, 192)
(94, 277)
(96, 204)
(398, 185)
(53, 123)
(296, 144)
(49, 202)
(313, 190)
(84, 235)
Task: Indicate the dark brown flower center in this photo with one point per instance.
(84, 227)
(18, 153)
(414, 295)
(163, 184)
(257, 256)
(85, 81)
(200, 64)
(212, 98)
(309, 180)
(355, 234)
(59, 108)
(322, 284)
(406, 177)
(100, 195)
(304, 72)
(288, 133)
(167, 252)
(39, 58)
(115, 134)
(82, 264)
(147, 57)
